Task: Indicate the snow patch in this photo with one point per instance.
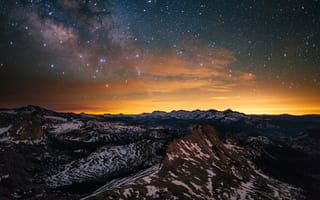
(12, 112)
(5, 129)
(66, 127)
(197, 187)
(190, 191)
(261, 139)
(152, 191)
(127, 192)
(243, 191)
(210, 173)
(55, 118)
(4, 177)
(146, 175)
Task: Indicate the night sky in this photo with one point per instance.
(134, 56)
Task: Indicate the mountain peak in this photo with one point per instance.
(31, 107)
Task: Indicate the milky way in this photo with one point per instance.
(138, 56)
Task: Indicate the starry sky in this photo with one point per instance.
(134, 56)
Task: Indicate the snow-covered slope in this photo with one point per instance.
(227, 115)
(107, 162)
(200, 166)
(50, 155)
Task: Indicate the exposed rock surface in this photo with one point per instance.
(49, 155)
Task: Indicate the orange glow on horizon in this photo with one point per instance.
(249, 111)
(243, 94)
(246, 105)
(167, 82)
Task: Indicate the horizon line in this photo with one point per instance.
(84, 111)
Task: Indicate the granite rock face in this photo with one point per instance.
(176, 155)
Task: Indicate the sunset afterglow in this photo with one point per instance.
(134, 57)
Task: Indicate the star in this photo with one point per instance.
(102, 60)
(170, 49)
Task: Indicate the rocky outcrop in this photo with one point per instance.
(200, 166)
(49, 155)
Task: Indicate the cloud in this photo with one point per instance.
(243, 76)
(210, 67)
(173, 65)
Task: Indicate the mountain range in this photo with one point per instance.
(176, 155)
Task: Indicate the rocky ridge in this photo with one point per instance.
(177, 155)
